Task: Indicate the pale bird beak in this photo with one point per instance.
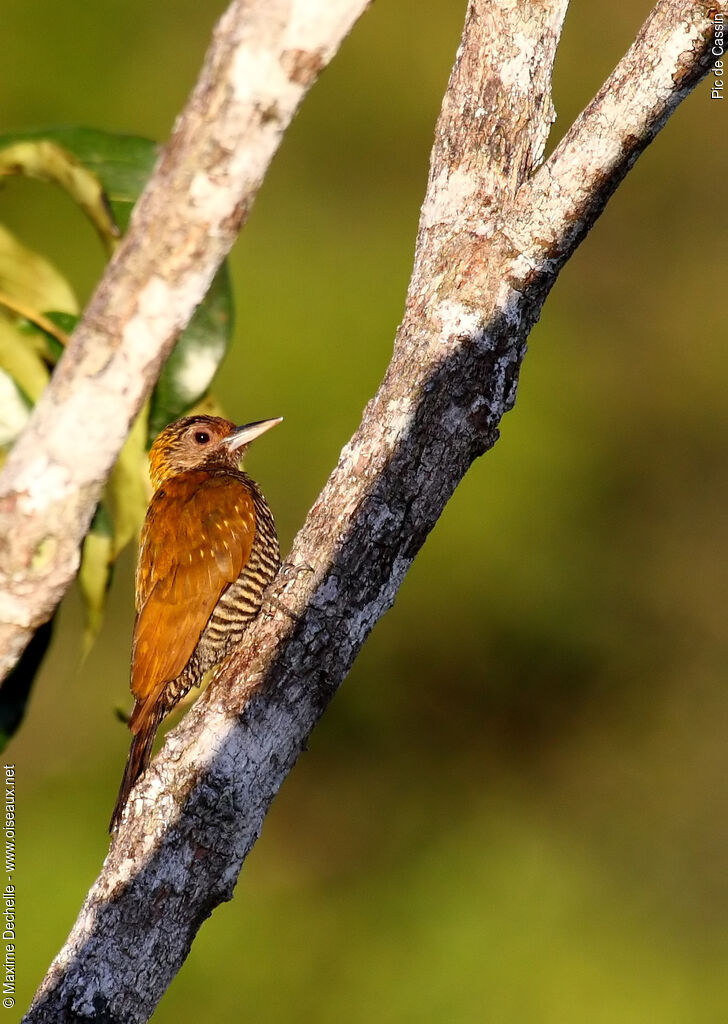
(248, 433)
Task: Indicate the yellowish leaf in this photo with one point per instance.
(47, 161)
(20, 361)
(31, 279)
(94, 576)
(128, 491)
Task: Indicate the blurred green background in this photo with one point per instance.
(515, 809)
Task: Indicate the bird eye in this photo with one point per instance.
(201, 436)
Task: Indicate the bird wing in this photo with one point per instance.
(195, 541)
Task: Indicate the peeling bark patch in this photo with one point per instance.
(212, 197)
(239, 214)
(257, 76)
(516, 70)
(459, 321)
(269, 113)
(154, 316)
(302, 66)
(687, 66)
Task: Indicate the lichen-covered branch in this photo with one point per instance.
(264, 56)
(475, 293)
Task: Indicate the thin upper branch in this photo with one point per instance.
(668, 58)
(472, 300)
(264, 56)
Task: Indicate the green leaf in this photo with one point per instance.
(65, 322)
(121, 163)
(48, 161)
(195, 358)
(15, 690)
(94, 577)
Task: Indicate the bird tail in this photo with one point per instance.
(139, 757)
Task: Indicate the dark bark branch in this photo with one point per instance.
(473, 297)
(264, 56)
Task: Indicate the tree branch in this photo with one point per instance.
(668, 58)
(473, 297)
(264, 56)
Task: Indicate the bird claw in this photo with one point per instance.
(287, 570)
(274, 602)
(285, 573)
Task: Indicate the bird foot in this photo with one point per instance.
(288, 570)
(274, 602)
(285, 573)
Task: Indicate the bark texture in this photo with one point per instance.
(493, 235)
(264, 56)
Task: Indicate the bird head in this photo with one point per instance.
(201, 442)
